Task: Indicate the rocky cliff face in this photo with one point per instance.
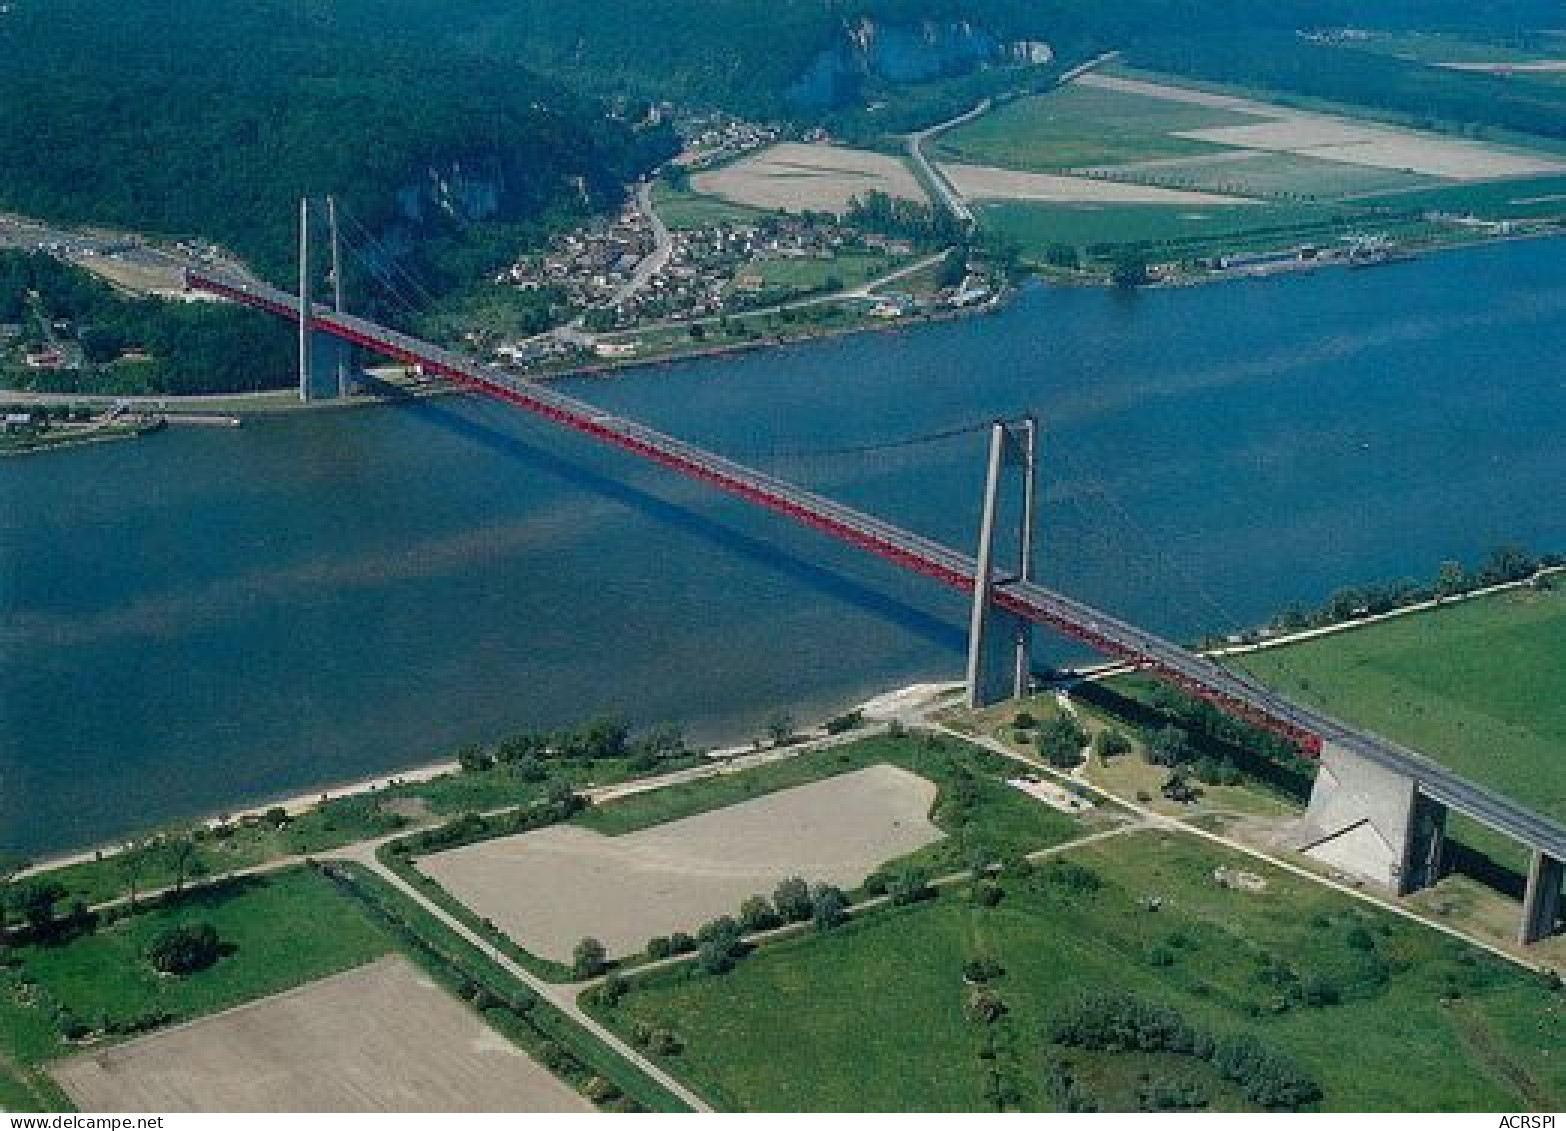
(904, 54)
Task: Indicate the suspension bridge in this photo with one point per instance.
(1378, 808)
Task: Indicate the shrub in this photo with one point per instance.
(1061, 740)
(715, 957)
(1359, 939)
(1076, 878)
(909, 885)
(664, 1043)
(1110, 743)
(681, 943)
(853, 720)
(659, 946)
(791, 898)
(589, 958)
(829, 907)
(987, 893)
(985, 1006)
(981, 969)
(757, 914)
(185, 949)
(599, 1090)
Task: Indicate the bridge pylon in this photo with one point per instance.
(325, 361)
(1000, 644)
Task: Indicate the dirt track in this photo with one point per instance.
(382, 1037)
(548, 889)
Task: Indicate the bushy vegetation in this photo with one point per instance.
(184, 949)
(135, 346)
(191, 118)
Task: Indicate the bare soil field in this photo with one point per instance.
(793, 177)
(978, 182)
(1329, 137)
(548, 889)
(382, 1037)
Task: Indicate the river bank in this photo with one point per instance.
(246, 612)
(885, 706)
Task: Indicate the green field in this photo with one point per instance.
(1082, 126)
(849, 269)
(1280, 176)
(680, 208)
(281, 930)
(872, 1016)
(1189, 229)
(1480, 685)
(1526, 198)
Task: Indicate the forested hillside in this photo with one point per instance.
(758, 55)
(192, 117)
(200, 118)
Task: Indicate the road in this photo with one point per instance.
(562, 996)
(1155, 820)
(865, 292)
(950, 198)
(657, 259)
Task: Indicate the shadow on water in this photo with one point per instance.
(828, 582)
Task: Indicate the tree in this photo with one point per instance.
(12, 864)
(180, 851)
(131, 862)
(828, 907)
(185, 949)
(953, 269)
(791, 898)
(1061, 740)
(780, 727)
(757, 914)
(472, 759)
(1452, 580)
(908, 885)
(1110, 743)
(589, 958)
(1168, 746)
(36, 902)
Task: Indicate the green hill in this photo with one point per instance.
(188, 117)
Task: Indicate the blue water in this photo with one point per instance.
(205, 618)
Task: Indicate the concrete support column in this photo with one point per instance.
(306, 311)
(979, 673)
(1424, 843)
(1542, 900)
(1027, 568)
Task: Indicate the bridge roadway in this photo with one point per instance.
(1231, 691)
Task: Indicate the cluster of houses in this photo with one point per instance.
(590, 264)
(714, 138)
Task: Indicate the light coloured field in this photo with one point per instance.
(978, 182)
(1331, 139)
(382, 1037)
(549, 889)
(1328, 137)
(794, 177)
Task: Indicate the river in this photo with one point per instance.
(210, 617)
